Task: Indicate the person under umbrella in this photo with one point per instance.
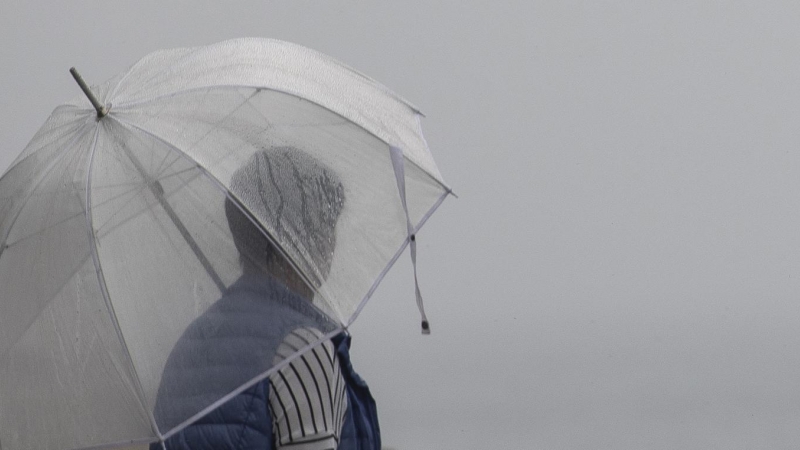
(314, 401)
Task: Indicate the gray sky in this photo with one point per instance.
(622, 267)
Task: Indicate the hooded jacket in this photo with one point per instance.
(209, 360)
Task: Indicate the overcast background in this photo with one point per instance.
(622, 268)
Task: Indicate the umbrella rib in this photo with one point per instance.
(158, 191)
(384, 90)
(63, 125)
(33, 319)
(227, 193)
(339, 66)
(103, 230)
(178, 174)
(77, 269)
(133, 194)
(296, 95)
(203, 170)
(448, 191)
(104, 288)
(213, 125)
(49, 227)
(183, 154)
(43, 230)
(163, 166)
(107, 201)
(53, 164)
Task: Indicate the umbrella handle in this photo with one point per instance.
(102, 110)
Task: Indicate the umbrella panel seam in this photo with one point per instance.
(104, 289)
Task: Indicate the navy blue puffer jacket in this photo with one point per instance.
(236, 338)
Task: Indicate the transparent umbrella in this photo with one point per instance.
(117, 233)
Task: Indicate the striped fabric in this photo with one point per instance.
(307, 398)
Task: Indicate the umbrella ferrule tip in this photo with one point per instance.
(426, 328)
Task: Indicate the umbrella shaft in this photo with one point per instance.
(101, 109)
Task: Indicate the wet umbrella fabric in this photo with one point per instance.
(115, 237)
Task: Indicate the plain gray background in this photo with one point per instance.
(622, 267)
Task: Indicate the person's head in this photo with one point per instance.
(299, 201)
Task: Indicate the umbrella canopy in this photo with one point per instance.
(117, 230)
